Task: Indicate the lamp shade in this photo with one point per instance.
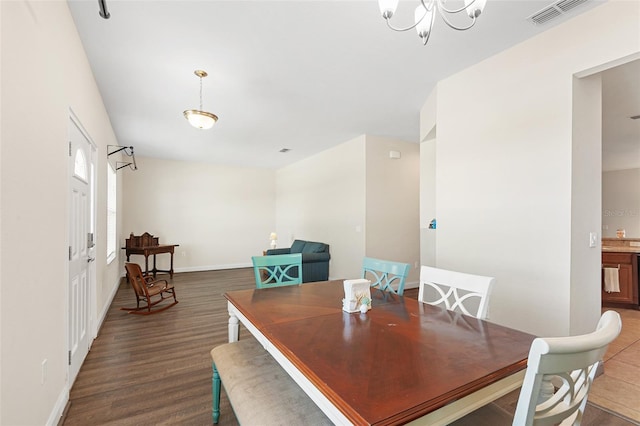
(388, 7)
(200, 119)
(423, 19)
(474, 8)
(273, 236)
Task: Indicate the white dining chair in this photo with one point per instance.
(560, 371)
(569, 363)
(456, 291)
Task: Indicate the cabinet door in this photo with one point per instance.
(627, 274)
(625, 295)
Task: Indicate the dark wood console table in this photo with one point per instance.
(147, 245)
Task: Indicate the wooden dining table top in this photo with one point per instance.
(399, 361)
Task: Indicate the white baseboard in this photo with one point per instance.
(105, 309)
(58, 409)
(412, 284)
(213, 267)
(208, 268)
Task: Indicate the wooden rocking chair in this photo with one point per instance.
(147, 287)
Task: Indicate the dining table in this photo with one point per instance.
(402, 362)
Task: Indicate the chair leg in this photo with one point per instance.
(215, 385)
(146, 310)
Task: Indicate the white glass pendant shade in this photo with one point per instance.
(200, 119)
(423, 19)
(474, 8)
(388, 7)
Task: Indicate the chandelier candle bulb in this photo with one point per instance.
(474, 8)
(423, 19)
(388, 7)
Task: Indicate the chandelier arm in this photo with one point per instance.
(442, 7)
(426, 10)
(401, 29)
(446, 21)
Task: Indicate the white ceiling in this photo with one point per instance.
(305, 75)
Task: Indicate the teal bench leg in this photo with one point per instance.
(215, 385)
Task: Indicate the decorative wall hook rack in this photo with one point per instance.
(128, 151)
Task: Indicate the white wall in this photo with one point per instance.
(504, 178)
(44, 73)
(322, 198)
(621, 202)
(392, 203)
(220, 216)
(428, 155)
(586, 176)
(428, 202)
(356, 199)
(1, 230)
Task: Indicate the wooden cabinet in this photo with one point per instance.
(627, 265)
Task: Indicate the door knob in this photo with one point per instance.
(90, 259)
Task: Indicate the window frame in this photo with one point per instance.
(112, 214)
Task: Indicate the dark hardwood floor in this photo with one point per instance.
(156, 369)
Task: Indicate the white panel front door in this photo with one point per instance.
(81, 251)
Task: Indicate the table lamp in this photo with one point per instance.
(273, 237)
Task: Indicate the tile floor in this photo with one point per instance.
(618, 389)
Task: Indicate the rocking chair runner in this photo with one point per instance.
(147, 287)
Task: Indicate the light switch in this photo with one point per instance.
(593, 239)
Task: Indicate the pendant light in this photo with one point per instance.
(197, 117)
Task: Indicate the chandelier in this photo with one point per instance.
(426, 11)
(197, 117)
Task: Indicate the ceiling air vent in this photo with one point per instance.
(567, 5)
(554, 10)
(285, 150)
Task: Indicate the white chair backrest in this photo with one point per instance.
(572, 362)
(454, 290)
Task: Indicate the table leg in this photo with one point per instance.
(155, 270)
(171, 268)
(234, 328)
(146, 264)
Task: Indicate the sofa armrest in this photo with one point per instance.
(315, 257)
(278, 251)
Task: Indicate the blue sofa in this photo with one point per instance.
(315, 259)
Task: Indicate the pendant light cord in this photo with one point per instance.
(201, 94)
